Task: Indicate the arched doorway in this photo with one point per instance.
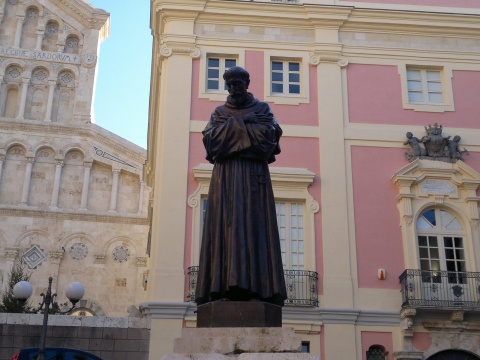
(453, 355)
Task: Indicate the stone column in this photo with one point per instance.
(114, 194)
(2, 158)
(11, 254)
(56, 185)
(51, 93)
(23, 99)
(140, 196)
(55, 259)
(26, 180)
(38, 46)
(18, 31)
(86, 183)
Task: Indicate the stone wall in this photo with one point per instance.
(108, 338)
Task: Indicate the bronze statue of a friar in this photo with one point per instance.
(240, 257)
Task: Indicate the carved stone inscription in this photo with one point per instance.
(40, 55)
(437, 187)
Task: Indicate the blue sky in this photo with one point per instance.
(123, 81)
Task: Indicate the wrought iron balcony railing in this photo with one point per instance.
(301, 286)
(440, 289)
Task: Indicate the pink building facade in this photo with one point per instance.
(379, 235)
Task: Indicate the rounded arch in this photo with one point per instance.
(30, 68)
(66, 242)
(123, 239)
(449, 207)
(75, 147)
(27, 234)
(453, 355)
(89, 306)
(66, 67)
(73, 42)
(14, 72)
(16, 142)
(78, 34)
(15, 62)
(375, 352)
(44, 145)
(51, 18)
(36, 5)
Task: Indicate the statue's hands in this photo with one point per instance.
(251, 118)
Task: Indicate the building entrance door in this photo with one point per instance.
(453, 355)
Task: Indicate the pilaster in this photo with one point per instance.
(86, 183)
(27, 179)
(173, 53)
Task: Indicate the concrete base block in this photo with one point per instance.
(251, 356)
(230, 341)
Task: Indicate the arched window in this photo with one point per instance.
(71, 44)
(9, 91)
(453, 355)
(64, 96)
(376, 352)
(441, 246)
(51, 36)
(29, 29)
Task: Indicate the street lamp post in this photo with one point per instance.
(23, 290)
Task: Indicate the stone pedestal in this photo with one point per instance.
(258, 343)
(237, 314)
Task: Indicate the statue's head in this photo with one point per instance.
(237, 72)
(237, 80)
(409, 135)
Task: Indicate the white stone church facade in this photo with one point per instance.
(73, 204)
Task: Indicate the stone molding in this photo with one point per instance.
(179, 310)
(168, 51)
(75, 321)
(86, 14)
(317, 59)
(119, 218)
(89, 131)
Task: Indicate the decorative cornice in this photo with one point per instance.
(81, 216)
(87, 15)
(89, 131)
(178, 310)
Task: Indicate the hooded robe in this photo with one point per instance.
(240, 257)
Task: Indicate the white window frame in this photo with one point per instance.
(289, 184)
(216, 95)
(288, 239)
(285, 98)
(455, 191)
(285, 82)
(426, 106)
(440, 232)
(221, 69)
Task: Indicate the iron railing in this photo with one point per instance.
(301, 286)
(440, 289)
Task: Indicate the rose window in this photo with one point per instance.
(72, 43)
(51, 28)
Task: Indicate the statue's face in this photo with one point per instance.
(237, 88)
